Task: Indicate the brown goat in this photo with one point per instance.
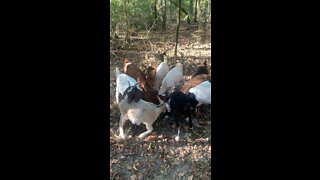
(148, 94)
(151, 96)
(194, 82)
(151, 74)
(133, 71)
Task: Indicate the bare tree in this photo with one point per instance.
(196, 11)
(155, 11)
(126, 20)
(190, 11)
(164, 16)
(177, 33)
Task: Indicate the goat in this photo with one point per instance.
(133, 71)
(151, 96)
(139, 112)
(173, 78)
(151, 74)
(159, 57)
(180, 105)
(202, 69)
(202, 93)
(194, 81)
(148, 94)
(161, 71)
(123, 82)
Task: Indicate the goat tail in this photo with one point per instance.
(117, 72)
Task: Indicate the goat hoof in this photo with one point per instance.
(141, 136)
(122, 136)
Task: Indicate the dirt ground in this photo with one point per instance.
(159, 156)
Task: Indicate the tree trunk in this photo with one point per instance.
(164, 16)
(190, 11)
(155, 11)
(204, 17)
(201, 22)
(126, 20)
(196, 11)
(177, 34)
(209, 16)
(200, 19)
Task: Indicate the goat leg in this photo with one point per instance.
(123, 119)
(134, 129)
(190, 122)
(177, 121)
(177, 137)
(149, 130)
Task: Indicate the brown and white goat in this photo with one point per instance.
(194, 81)
(133, 71)
(148, 94)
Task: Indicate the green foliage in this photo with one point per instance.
(139, 12)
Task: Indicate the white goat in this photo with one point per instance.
(123, 82)
(173, 78)
(161, 72)
(139, 112)
(202, 93)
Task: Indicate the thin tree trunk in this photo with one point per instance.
(196, 11)
(209, 16)
(126, 20)
(164, 17)
(155, 12)
(204, 19)
(200, 19)
(190, 11)
(177, 34)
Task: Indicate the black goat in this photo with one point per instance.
(202, 69)
(180, 106)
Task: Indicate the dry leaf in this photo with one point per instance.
(190, 177)
(181, 174)
(134, 167)
(114, 161)
(149, 138)
(122, 157)
(133, 177)
(128, 167)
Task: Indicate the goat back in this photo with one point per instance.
(194, 81)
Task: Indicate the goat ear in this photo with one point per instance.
(140, 84)
(164, 53)
(126, 60)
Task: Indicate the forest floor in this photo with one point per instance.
(159, 156)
